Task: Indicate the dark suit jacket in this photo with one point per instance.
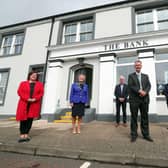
(165, 91)
(134, 87)
(118, 93)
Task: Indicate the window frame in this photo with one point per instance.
(12, 47)
(155, 20)
(78, 32)
(5, 92)
(157, 62)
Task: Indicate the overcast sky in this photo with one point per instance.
(16, 11)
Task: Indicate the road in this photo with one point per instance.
(13, 160)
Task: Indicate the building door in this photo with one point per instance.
(88, 72)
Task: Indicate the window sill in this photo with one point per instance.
(9, 55)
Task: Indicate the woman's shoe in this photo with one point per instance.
(78, 131)
(74, 131)
(21, 140)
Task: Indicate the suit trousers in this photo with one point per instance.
(118, 107)
(134, 108)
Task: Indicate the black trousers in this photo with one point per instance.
(118, 107)
(167, 102)
(25, 126)
(134, 108)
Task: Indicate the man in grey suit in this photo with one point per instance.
(139, 87)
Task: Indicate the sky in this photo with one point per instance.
(17, 11)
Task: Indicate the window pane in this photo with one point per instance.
(8, 40)
(19, 39)
(162, 56)
(161, 76)
(163, 14)
(163, 25)
(3, 85)
(124, 71)
(86, 27)
(123, 60)
(70, 39)
(144, 17)
(18, 49)
(70, 29)
(6, 50)
(145, 28)
(86, 36)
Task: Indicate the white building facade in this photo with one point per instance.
(102, 43)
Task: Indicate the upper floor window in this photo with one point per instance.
(78, 31)
(12, 44)
(151, 20)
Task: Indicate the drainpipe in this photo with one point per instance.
(48, 52)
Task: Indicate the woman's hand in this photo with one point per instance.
(71, 104)
(31, 100)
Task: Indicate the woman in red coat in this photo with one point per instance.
(30, 93)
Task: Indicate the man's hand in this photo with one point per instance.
(142, 93)
(121, 99)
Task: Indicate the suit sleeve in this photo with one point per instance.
(71, 93)
(40, 93)
(132, 86)
(115, 92)
(165, 91)
(126, 91)
(148, 85)
(21, 92)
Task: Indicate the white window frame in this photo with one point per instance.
(78, 23)
(5, 91)
(155, 18)
(159, 61)
(12, 47)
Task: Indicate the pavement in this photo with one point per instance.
(98, 141)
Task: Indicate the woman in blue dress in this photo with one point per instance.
(78, 100)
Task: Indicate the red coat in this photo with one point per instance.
(24, 94)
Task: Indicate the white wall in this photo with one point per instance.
(113, 23)
(34, 52)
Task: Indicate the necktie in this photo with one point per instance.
(139, 79)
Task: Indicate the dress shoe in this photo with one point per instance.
(148, 138)
(133, 139)
(124, 125)
(117, 125)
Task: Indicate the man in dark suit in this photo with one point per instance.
(139, 87)
(121, 94)
(165, 92)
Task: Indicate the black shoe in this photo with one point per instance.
(148, 138)
(27, 139)
(133, 139)
(21, 140)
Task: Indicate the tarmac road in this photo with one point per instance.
(13, 160)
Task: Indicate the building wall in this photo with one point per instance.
(113, 23)
(34, 52)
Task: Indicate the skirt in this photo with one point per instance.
(78, 109)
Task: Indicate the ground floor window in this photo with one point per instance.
(4, 75)
(161, 67)
(125, 66)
